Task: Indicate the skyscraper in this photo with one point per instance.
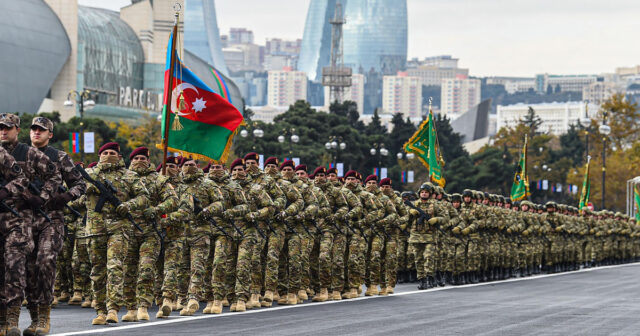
(201, 33)
(315, 51)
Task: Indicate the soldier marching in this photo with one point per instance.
(192, 238)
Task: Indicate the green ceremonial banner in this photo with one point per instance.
(520, 188)
(636, 194)
(586, 187)
(424, 144)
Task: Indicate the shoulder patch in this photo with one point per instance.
(16, 168)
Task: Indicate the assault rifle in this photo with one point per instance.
(107, 194)
(34, 188)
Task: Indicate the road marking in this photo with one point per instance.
(181, 319)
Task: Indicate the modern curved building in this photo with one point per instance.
(315, 51)
(201, 33)
(32, 54)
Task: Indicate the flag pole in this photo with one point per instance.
(165, 136)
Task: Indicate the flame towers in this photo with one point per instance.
(201, 33)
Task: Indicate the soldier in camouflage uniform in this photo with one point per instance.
(48, 235)
(395, 232)
(208, 197)
(460, 246)
(109, 230)
(448, 240)
(387, 228)
(282, 231)
(80, 264)
(261, 207)
(469, 227)
(15, 238)
(144, 247)
(406, 262)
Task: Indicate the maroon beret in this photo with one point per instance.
(301, 167)
(332, 171)
(173, 159)
(206, 168)
(237, 162)
(109, 145)
(358, 176)
(319, 170)
(92, 164)
(270, 160)
(78, 163)
(139, 151)
(385, 181)
(371, 178)
(180, 160)
(288, 163)
(351, 173)
(252, 156)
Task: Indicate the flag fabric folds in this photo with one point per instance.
(520, 188)
(424, 144)
(586, 187)
(201, 122)
(636, 196)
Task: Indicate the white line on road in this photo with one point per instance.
(181, 319)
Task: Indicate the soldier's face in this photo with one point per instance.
(302, 174)
(238, 172)
(217, 167)
(439, 197)
(387, 188)
(467, 199)
(456, 204)
(332, 177)
(372, 185)
(172, 169)
(507, 206)
(350, 181)
(249, 163)
(320, 178)
(140, 158)
(485, 201)
(9, 134)
(271, 168)
(551, 210)
(525, 208)
(39, 136)
(424, 194)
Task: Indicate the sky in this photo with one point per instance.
(490, 37)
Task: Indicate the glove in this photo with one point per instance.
(149, 213)
(4, 193)
(60, 200)
(558, 229)
(509, 230)
(525, 233)
(122, 210)
(433, 221)
(456, 230)
(35, 202)
(466, 231)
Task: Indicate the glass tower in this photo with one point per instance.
(315, 50)
(201, 33)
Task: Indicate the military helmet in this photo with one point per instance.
(551, 204)
(477, 195)
(396, 192)
(618, 214)
(507, 200)
(467, 193)
(456, 197)
(426, 186)
(516, 204)
(438, 190)
(501, 199)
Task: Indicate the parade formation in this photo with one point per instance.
(193, 238)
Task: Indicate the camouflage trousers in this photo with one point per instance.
(197, 248)
(140, 270)
(239, 266)
(297, 244)
(425, 259)
(306, 246)
(107, 254)
(257, 256)
(15, 244)
(447, 253)
(275, 246)
(325, 259)
(406, 256)
(41, 262)
(356, 262)
(64, 274)
(374, 260)
(337, 263)
(221, 253)
(314, 263)
(173, 255)
(473, 253)
(81, 268)
(389, 264)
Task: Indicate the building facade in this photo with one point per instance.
(285, 87)
(598, 92)
(402, 94)
(568, 83)
(459, 95)
(201, 33)
(354, 93)
(557, 118)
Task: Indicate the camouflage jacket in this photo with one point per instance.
(162, 197)
(423, 231)
(74, 182)
(389, 219)
(13, 178)
(294, 201)
(261, 205)
(236, 203)
(130, 191)
(174, 222)
(372, 209)
(338, 205)
(206, 195)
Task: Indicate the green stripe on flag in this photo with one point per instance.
(199, 138)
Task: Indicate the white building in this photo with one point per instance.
(556, 117)
(432, 70)
(598, 92)
(458, 95)
(568, 83)
(353, 93)
(402, 93)
(286, 86)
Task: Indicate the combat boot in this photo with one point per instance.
(53, 303)
(33, 313)
(180, 303)
(292, 299)
(131, 315)
(143, 314)
(335, 295)
(13, 317)
(422, 283)
(112, 316)
(101, 319)
(44, 320)
(216, 307)
(240, 306)
(254, 301)
(207, 309)
(233, 307)
(383, 291)
(352, 293)
(321, 296)
(193, 306)
(225, 302)
(282, 300)
(302, 295)
(93, 303)
(64, 297)
(76, 299)
(372, 290)
(166, 307)
(268, 297)
(440, 279)
(390, 290)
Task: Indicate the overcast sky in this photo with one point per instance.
(490, 37)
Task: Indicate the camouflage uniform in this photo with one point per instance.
(384, 269)
(80, 261)
(340, 241)
(144, 247)
(424, 238)
(109, 233)
(372, 212)
(316, 208)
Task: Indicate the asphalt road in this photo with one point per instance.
(603, 301)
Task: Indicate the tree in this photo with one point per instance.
(532, 121)
(558, 89)
(549, 89)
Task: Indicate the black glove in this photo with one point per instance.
(35, 202)
(59, 201)
(4, 193)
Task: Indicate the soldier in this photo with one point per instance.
(469, 227)
(448, 242)
(424, 235)
(406, 261)
(44, 236)
(48, 234)
(81, 267)
(15, 238)
(144, 247)
(109, 229)
(395, 232)
(459, 248)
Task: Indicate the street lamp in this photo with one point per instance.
(336, 144)
(294, 138)
(83, 98)
(378, 148)
(605, 130)
(257, 132)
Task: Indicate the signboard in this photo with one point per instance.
(89, 142)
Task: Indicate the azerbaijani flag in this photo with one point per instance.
(201, 122)
(586, 187)
(403, 177)
(74, 142)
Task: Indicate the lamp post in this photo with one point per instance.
(257, 132)
(336, 144)
(605, 130)
(379, 151)
(294, 138)
(83, 98)
(586, 123)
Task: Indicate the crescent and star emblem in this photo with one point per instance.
(196, 106)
